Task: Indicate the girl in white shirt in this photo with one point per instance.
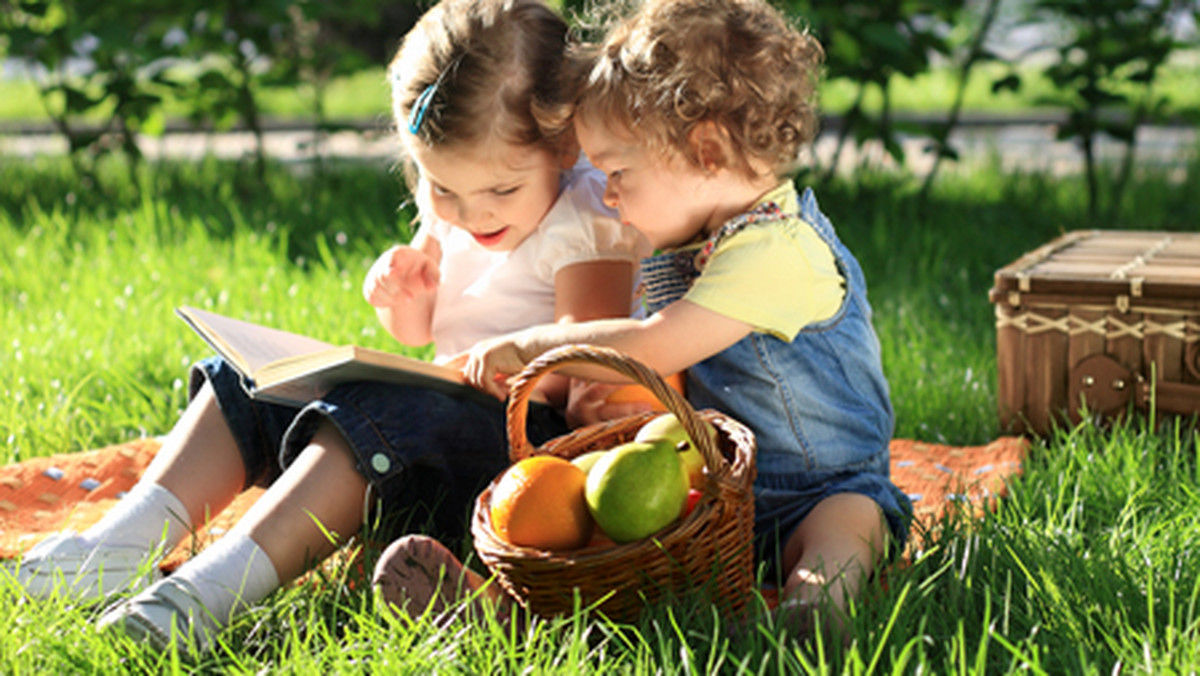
(514, 233)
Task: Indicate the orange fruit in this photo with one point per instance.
(638, 393)
(600, 539)
(539, 502)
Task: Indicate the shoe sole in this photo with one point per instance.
(178, 607)
(416, 575)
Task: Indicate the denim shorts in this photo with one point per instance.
(425, 454)
(781, 501)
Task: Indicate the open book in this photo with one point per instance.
(289, 368)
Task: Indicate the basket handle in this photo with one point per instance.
(523, 386)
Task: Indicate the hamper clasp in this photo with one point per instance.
(1102, 385)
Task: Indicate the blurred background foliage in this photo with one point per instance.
(105, 73)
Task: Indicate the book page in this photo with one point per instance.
(292, 369)
(361, 360)
(298, 381)
(249, 346)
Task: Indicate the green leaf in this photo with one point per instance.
(894, 149)
(77, 100)
(1122, 132)
(1010, 83)
(214, 79)
(844, 47)
(1143, 75)
(153, 124)
(885, 38)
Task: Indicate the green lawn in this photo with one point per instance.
(1090, 565)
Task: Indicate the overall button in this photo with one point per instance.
(380, 463)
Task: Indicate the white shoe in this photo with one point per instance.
(67, 564)
(165, 613)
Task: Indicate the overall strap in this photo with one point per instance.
(766, 211)
(667, 277)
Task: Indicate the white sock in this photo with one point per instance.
(229, 576)
(147, 516)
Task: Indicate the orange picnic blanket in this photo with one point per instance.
(44, 495)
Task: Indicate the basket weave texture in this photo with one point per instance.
(709, 551)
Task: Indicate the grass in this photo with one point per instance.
(1089, 566)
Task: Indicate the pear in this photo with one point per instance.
(588, 460)
(667, 427)
(636, 489)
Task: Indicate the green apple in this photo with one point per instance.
(668, 427)
(588, 460)
(636, 489)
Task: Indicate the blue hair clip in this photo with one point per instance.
(420, 109)
(416, 116)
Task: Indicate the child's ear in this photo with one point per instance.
(568, 150)
(708, 140)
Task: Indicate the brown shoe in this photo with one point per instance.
(416, 574)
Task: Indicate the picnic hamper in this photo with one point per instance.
(1098, 321)
(709, 550)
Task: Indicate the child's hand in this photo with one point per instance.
(489, 364)
(460, 361)
(400, 273)
(587, 404)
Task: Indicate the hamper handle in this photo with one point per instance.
(527, 379)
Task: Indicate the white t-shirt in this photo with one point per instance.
(484, 294)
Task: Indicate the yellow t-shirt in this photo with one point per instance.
(778, 276)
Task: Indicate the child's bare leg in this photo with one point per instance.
(321, 492)
(199, 461)
(833, 550)
(198, 471)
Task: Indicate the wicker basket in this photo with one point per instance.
(709, 551)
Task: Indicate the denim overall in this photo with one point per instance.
(818, 406)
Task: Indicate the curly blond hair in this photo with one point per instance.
(674, 64)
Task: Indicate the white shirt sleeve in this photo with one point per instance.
(580, 228)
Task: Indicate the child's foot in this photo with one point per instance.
(417, 574)
(166, 613)
(800, 620)
(796, 617)
(70, 564)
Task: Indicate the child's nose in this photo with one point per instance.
(469, 216)
(610, 196)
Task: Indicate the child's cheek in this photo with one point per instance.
(442, 208)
